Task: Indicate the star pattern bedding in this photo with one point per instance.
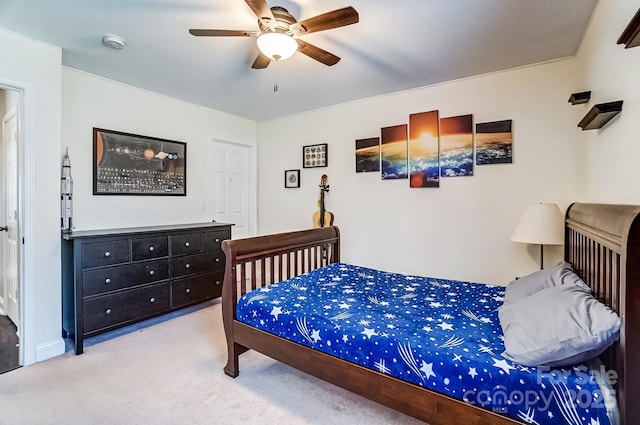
(439, 334)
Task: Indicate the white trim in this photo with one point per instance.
(253, 190)
(28, 203)
(49, 349)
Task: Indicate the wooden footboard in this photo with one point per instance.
(256, 262)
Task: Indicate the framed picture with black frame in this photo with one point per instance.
(131, 164)
(291, 178)
(315, 155)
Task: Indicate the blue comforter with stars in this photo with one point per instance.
(438, 334)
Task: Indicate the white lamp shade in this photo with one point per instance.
(540, 224)
(276, 45)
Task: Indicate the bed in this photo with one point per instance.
(602, 243)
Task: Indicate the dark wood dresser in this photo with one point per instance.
(113, 278)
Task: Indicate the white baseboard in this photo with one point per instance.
(50, 349)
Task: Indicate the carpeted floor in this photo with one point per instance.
(171, 373)
(8, 345)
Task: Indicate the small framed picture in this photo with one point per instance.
(291, 178)
(315, 155)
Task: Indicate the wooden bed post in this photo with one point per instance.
(336, 248)
(230, 292)
(629, 351)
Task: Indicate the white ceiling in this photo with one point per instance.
(397, 45)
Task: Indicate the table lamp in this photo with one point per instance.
(541, 224)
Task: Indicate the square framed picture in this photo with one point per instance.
(291, 178)
(315, 155)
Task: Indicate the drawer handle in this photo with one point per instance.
(217, 282)
(107, 311)
(107, 254)
(152, 300)
(151, 249)
(152, 273)
(187, 244)
(217, 260)
(188, 290)
(187, 266)
(217, 240)
(107, 280)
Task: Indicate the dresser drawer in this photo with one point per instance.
(122, 307)
(192, 264)
(147, 248)
(189, 243)
(110, 279)
(105, 253)
(212, 241)
(195, 289)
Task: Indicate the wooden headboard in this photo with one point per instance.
(602, 242)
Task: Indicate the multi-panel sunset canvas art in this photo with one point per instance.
(456, 146)
(393, 152)
(494, 143)
(423, 149)
(368, 155)
(429, 148)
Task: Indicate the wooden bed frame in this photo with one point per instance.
(602, 242)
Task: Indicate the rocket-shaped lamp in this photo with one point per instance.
(66, 195)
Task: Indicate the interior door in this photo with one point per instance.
(9, 224)
(229, 186)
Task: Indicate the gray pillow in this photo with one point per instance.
(558, 326)
(561, 274)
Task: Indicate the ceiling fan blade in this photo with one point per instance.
(329, 20)
(263, 12)
(261, 62)
(223, 33)
(317, 53)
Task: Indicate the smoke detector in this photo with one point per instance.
(114, 41)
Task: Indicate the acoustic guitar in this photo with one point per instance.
(323, 218)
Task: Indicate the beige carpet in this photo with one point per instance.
(171, 373)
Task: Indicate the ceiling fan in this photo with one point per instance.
(279, 31)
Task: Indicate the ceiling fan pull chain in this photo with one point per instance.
(275, 77)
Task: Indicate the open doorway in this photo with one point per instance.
(10, 106)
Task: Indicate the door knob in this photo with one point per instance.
(4, 228)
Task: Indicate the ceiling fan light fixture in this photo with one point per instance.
(277, 45)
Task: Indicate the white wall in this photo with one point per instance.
(608, 158)
(35, 68)
(89, 101)
(460, 230)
